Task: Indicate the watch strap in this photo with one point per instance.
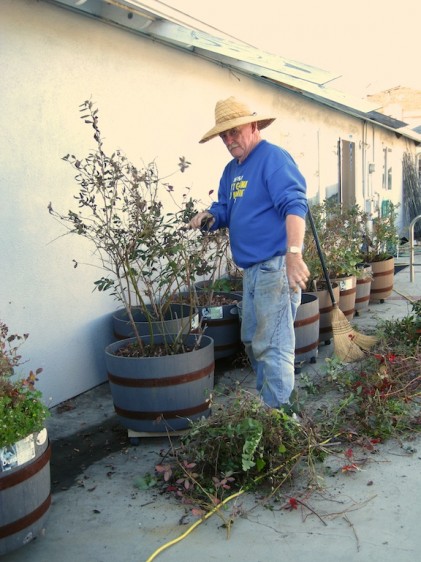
(294, 250)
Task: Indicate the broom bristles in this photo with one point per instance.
(364, 341)
(348, 343)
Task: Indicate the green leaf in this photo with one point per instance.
(145, 482)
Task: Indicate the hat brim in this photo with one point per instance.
(262, 123)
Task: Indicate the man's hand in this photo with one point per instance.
(201, 219)
(297, 271)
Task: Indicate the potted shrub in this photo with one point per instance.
(146, 253)
(342, 224)
(379, 235)
(338, 232)
(24, 449)
(338, 229)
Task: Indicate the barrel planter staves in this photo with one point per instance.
(160, 394)
(25, 490)
(347, 294)
(362, 295)
(222, 324)
(383, 279)
(306, 328)
(325, 310)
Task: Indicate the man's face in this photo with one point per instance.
(240, 141)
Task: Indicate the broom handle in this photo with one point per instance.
(322, 260)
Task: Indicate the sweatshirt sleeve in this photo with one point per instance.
(287, 189)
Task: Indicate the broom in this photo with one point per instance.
(348, 343)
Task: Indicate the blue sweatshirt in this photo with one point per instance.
(254, 199)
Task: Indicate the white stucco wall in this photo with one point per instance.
(155, 103)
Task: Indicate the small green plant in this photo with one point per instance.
(338, 230)
(227, 285)
(308, 384)
(379, 235)
(22, 411)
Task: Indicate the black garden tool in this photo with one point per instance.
(348, 343)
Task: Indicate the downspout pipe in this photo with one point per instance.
(364, 162)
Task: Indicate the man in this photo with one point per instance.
(262, 200)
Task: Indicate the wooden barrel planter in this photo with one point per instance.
(178, 318)
(362, 295)
(383, 279)
(325, 310)
(219, 319)
(160, 394)
(306, 327)
(347, 294)
(25, 490)
(221, 322)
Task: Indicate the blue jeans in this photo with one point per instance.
(267, 330)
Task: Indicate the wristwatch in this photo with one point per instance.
(294, 250)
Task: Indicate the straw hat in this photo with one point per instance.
(231, 113)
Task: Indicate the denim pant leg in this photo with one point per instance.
(267, 330)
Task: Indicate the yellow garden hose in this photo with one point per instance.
(192, 527)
